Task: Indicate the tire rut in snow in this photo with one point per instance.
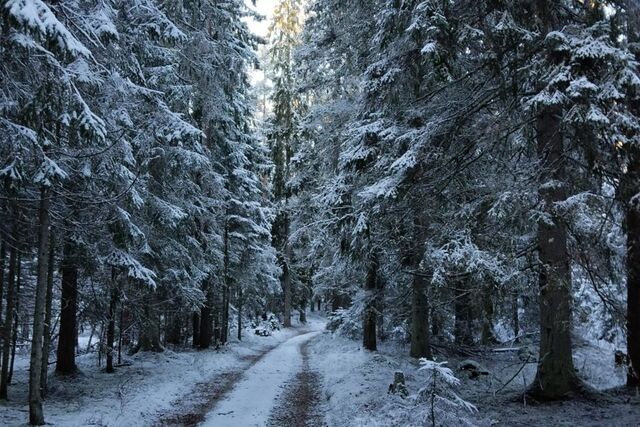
(299, 404)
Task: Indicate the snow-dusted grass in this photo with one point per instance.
(135, 395)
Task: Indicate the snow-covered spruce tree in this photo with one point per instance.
(629, 190)
(283, 138)
(49, 114)
(574, 107)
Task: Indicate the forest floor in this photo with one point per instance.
(150, 389)
(304, 377)
(355, 386)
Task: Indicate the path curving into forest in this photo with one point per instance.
(262, 394)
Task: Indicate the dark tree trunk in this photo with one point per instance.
(240, 304)
(380, 310)
(420, 339)
(174, 328)
(463, 327)
(46, 344)
(226, 289)
(111, 323)
(633, 281)
(36, 415)
(487, 336)
(555, 376)
(3, 255)
(8, 322)
(370, 315)
(66, 354)
(204, 340)
(515, 316)
(16, 312)
(631, 180)
(195, 324)
(149, 339)
(286, 288)
(224, 329)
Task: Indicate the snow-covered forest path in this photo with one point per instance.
(254, 398)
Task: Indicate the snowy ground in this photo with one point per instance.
(141, 394)
(308, 377)
(355, 385)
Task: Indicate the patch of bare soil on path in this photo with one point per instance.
(299, 404)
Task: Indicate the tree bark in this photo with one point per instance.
(555, 376)
(66, 354)
(369, 315)
(16, 314)
(633, 281)
(149, 339)
(174, 328)
(195, 324)
(111, 322)
(463, 328)
(631, 202)
(36, 415)
(204, 340)
(240, 304)
(487, 336)
(420, 339)
(46, 344)
(3, 255)
(286, 287)
(7, 335)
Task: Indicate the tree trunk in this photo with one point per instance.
(226, 289)
(369, 315)
(240, 303)
(204, 340)
(555, 376)
(420, 339)
(463, 328)
(3, 255)
(633, 280)
(66, 354)
(111, 322)
(487, 336)
(36, 415)
(515, 316)
(286, 287)
(380, 310)
(149, 339)
(46, 344)
(174, 328)
(195, 324)
(631, 181)
(6, 340)
(224, 329)
(16, 312)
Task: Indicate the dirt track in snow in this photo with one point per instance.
(274, 387)
(299, 405)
